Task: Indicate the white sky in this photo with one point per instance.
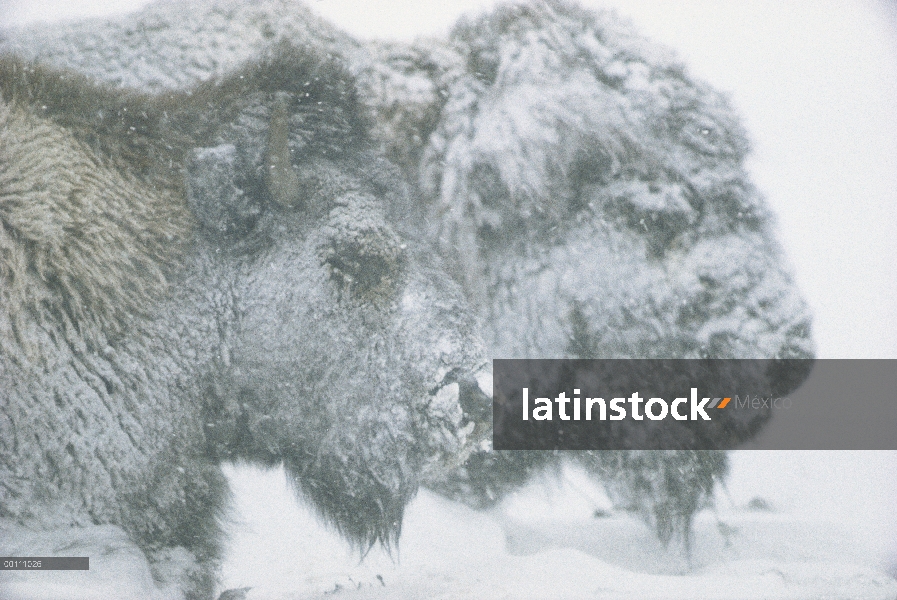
(816, 83)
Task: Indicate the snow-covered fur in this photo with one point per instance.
(205, 276)
(593, 199)
(588, 194)
(597, 196)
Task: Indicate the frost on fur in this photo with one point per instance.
(586, 192)
(593, 200)
(170, 301)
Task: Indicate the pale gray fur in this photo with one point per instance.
(588, 193)
(139, 346)
(501, 150)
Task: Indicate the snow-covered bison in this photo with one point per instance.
(593, 199)
(216, 275)
(249, 268)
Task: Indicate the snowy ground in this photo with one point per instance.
(545, 542)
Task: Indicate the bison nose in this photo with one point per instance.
(475, 398)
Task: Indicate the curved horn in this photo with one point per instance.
(280, 178)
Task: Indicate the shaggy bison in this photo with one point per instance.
(213, 275)
(592, 198)
(259, 287)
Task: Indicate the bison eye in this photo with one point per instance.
(222, 202)
(366, 267)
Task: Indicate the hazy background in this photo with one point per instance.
(816, 84)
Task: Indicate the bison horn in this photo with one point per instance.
(280, 178)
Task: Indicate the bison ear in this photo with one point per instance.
(216, 194)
